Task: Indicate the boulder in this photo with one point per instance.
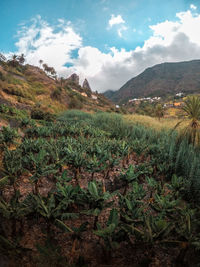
(74, 78)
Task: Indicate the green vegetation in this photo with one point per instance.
(25, 86)
(191, 132)
(101, 184)
(159, 111)
(9, 112)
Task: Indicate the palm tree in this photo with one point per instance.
(191, 132)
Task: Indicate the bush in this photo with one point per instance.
(12, 111)
(75, 103)
(4, 109)
(57, 93)
(39, 114)
(7, 135)
(2, 78)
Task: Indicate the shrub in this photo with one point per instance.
(4, 109)
(2, 77)
(75, 103)
(57, 93)
(12, 111)
(39, 114)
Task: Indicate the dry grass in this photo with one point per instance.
(164, 123)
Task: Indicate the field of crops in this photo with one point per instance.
(97, 190)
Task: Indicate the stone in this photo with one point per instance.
(74, 78)
(86, 85)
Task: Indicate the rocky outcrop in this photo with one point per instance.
(74, 78)
(86, 85)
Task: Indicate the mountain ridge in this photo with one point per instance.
(160, 80)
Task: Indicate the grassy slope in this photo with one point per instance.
(30, 87)
(162, 124)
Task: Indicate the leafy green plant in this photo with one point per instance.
(76, 235)
(128, 177)
(12, 166)
(8, 135)
(14, 211)
(39, 166)
(109, 234)
(97, 200)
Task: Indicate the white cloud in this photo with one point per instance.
(121, 29)
(119, 21)
(193, 7)
(115, 20)
(171, 41)
(53, 45)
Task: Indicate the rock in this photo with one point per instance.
(94, 97)
(86, 85)
(84, 94)
(74, 78)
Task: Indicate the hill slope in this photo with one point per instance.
(161, 80)
(29, 87)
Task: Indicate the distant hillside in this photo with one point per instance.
(109, 94)
(28, 87)
(160, 80)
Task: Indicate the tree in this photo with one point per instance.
(49, 70)
(45, 66)
(52, 71)
(61, 81)
(14, 61)
(21, 59)
(191, 132)
(40, 62)
(2, 58)
(159, 111)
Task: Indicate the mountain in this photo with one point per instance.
(160, 80)
(109, 94)
(27, 87)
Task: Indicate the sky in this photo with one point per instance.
(106, 41)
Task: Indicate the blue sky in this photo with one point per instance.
(99, 39)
